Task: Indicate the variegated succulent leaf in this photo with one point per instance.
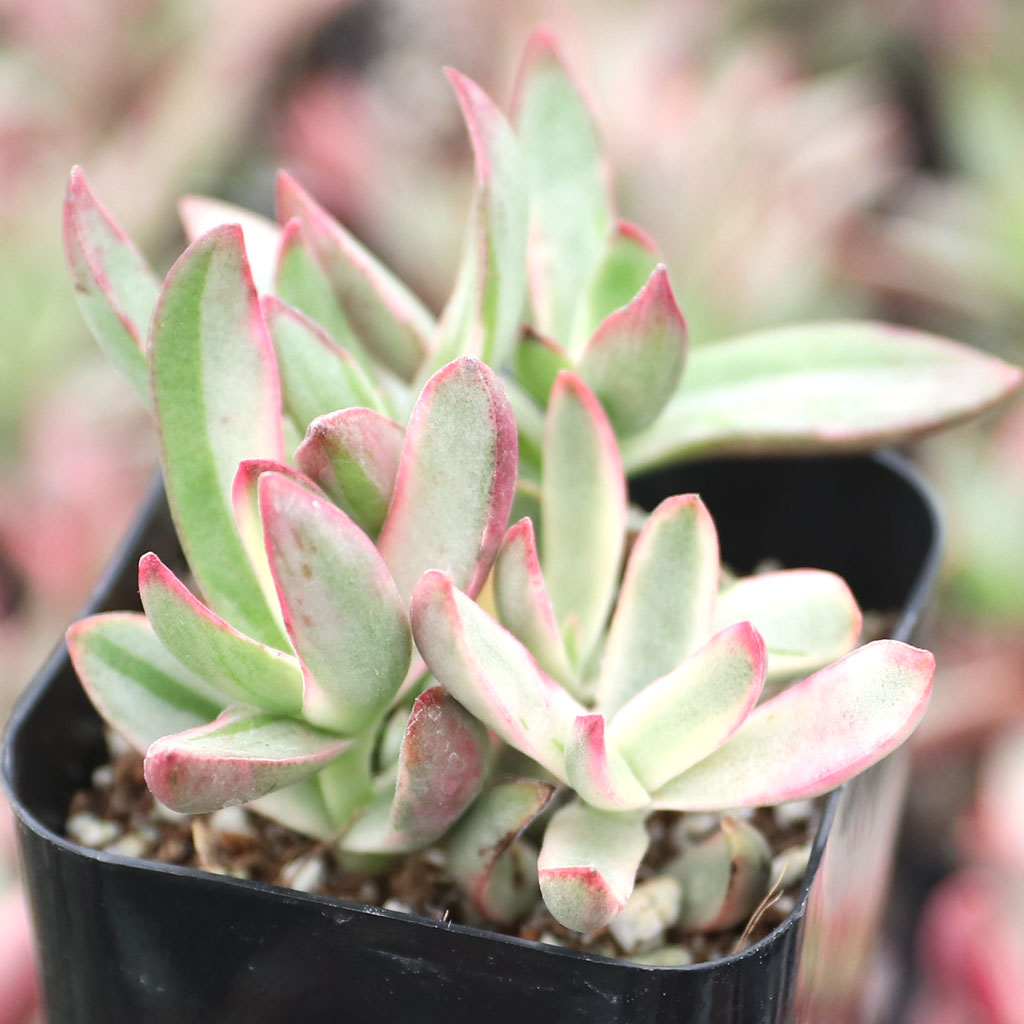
(317, 375)
(240, 756)
(723, 878)
(486, 308)
(342, 610)
(815, 735)
(353, 454)
(455, 481)
(633, 361)
(583, 501)
(217, 401)
(588, 863)
(848, 386)
(114, 285)
(497, 869)
(570, 207)
(390, 322)
(441, 765)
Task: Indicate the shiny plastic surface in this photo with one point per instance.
(122, 939)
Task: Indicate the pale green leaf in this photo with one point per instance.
(239, 667)
(114, 285)
(241, 756)
(583, 496)
(393, 325)
(666, 602)
(845, 386)
(815, 735)
(683, 716)
(217, 401)
(456, 480)
(588, 864)
(341, 608)
(136, 684)
(570, 209)
(807, 617)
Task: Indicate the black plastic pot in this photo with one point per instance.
(129, 940)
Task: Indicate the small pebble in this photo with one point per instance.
(796, 812)
(131, 844)
(691, 827)
(304, 874)
(85, 828)
(550, 939)
(103, 777)
(369, 892)
(653, 907)
(785, 905)
(435, 856)
(230, 821)
(791, 865)
(398, 906)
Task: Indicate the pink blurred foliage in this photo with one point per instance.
(19, 994)
(971, 950)
(747, 167)
(971, 935)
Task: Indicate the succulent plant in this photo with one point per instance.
(661, 709)
(278, 686)
(341, 468)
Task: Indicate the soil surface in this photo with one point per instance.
(119, 814)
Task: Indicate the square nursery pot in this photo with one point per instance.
(122, 939)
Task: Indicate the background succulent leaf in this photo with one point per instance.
(440, 769)
(723, 878)
(490, 673)
(666, 602)
(245, 503)
(570, 208)
(844, 385)
(317, 376)
(633, 361)
(583, 497)
(114, 285)
(815, 735)
(240, 756)
(137, 685)
(690, 712)
(808, 618)
(627, 260)
(456, 480)
(217, 400)
(241, 668)
(353, 454)
(341, 607)
(346, 783)
(388, 319)
(488, 302)
(261, 236)
(300, 281)
(538, 362)
(588, 863)
(496, 869)
(522, 603)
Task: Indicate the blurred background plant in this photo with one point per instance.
(795, 158)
